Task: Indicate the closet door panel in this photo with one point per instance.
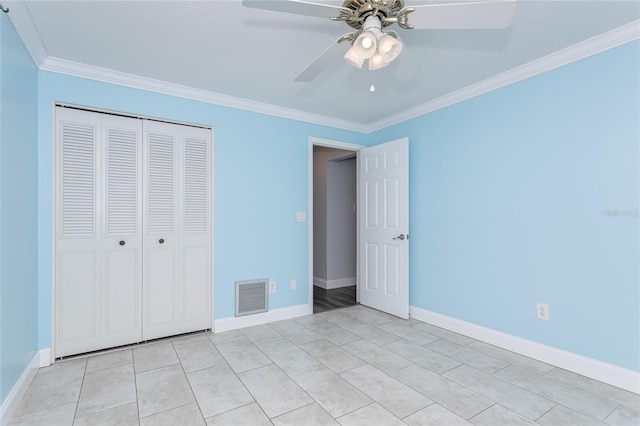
(196, 228)
(161, 290)
(161, 230)
(196, 295)
(77, 232)
(122, 242)
(77, 300)
(122, 297)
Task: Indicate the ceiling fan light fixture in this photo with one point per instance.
(389, 48)
(365, 45)
(353, 58)
(376, 62)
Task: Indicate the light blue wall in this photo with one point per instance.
(509, 194)
(511, 199)
(261, 180)
(18, 221)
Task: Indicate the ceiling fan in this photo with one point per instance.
(370, 18)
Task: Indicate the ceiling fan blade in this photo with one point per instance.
(496, 14)
(327, 58)
(298, 7)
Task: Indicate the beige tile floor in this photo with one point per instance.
(354, 366)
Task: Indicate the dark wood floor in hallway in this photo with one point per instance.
(325, 300)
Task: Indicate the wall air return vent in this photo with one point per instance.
(252, 297)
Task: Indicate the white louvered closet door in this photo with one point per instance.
(133, 247)
(177, 229)
(77, 256)
(122, 227)
(161, 238)
(98, 281)
(195, 226)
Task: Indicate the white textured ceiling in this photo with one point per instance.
(225, 48)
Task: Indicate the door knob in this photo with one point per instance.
(400, 237)
(122, 242)
(161, 240)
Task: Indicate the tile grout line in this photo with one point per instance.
(296, 409)
(135, 384)
(420, 409)
(612, 411)
(84, 373)
(188, 383)
(319, 363)
(288, 376)
(247, 389)
(546, 412)
(477, 414)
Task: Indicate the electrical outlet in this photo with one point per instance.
(294, 284)
(272, 286)
(542, 311)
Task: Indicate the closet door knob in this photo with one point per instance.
(122, 243)
(161, 240)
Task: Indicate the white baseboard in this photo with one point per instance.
(604, 372)
(10, 404)
(234, 323)
(320, 282)
(332, 284)
(45, 357)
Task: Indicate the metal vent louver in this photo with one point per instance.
(252, 297)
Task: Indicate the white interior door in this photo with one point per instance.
(384, 227)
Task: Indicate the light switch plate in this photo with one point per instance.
(301, 216)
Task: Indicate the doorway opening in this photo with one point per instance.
(334, 228)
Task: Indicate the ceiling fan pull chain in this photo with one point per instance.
(5, 10)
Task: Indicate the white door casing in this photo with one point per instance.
(314, 141)
(384, 227)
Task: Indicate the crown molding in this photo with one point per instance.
(105, 75)
(21, 19)
(576, 52)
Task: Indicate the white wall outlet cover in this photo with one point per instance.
(272, 286)
(301, 216)
(294, 284)
(542, 311)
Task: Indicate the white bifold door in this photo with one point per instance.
(177, 234)
(132, 230)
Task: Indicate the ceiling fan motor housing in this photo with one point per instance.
(385, 10)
